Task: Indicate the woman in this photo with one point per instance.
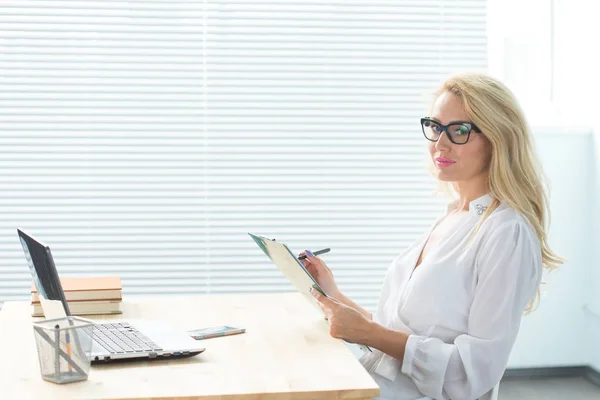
(451, 304)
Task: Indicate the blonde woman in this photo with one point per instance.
(451, 304)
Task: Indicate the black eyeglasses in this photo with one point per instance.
(458, 132)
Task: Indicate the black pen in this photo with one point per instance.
(316, 253)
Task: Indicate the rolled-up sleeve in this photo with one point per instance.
(509, 268)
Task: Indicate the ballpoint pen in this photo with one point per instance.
(57, 350)
(316, 253)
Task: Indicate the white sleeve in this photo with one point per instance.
(509, 269)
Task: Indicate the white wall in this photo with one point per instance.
(593, 309)
(556, 334)
(576, 69)
(577, 87)
(594, 297)
(594, 329)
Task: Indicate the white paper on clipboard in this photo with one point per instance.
(290, 266)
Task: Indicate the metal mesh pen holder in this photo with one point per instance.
(64, 347)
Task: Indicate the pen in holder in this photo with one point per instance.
(64, 346)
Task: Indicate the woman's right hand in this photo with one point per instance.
(321, 273)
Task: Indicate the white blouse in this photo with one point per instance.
(462, 306)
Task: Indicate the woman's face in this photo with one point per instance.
(457, 162)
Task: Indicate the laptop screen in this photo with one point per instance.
(44, 276)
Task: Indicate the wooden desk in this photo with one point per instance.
(286, 353)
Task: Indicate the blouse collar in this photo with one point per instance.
(476, 207)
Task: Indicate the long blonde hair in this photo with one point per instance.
(515, 174)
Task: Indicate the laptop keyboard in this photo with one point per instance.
(122, 338)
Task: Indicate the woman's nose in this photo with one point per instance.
(443, 142)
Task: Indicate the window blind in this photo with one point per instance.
(146, 138)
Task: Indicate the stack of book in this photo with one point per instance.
(87, 296)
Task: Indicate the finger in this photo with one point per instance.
(314, 260)
(323, 299)
(323, 308)
(326, 310)
(310, 257)
(305, 260)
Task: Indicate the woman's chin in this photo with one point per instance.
(445, 177)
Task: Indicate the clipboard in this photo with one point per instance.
(291, 267)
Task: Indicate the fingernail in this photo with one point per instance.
(309, 253)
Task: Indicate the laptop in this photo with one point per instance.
(113, 341)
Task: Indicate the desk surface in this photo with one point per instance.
(286, 353)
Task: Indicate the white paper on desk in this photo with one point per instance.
(52, 308)
(287, 263)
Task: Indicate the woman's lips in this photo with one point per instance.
(443, 162)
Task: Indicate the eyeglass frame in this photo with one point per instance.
(444, 128)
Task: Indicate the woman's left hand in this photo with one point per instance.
(344, 322)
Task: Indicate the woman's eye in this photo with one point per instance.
(459, 130)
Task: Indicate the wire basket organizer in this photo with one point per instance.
(64, 346)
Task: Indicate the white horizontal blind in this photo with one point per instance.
(146, 138)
